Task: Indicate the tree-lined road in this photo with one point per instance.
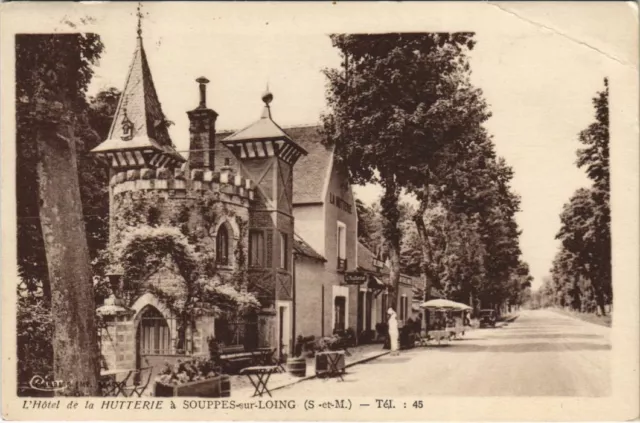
(541, 353)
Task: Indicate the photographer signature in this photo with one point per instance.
(48, 384)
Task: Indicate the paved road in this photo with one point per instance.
(541, 353)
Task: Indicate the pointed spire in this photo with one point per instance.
(139, 121)
(139, 14)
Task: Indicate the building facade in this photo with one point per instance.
(326, 228)
(263, 199)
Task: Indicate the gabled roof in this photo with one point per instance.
(139, 105)
(311, 171)
(301, 247)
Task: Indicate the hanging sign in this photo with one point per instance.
(355, 278)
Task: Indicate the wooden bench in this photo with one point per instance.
(235, 357)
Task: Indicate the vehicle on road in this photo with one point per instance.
(488, 318)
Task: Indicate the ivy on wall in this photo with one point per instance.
(161, 260)
(167, 247)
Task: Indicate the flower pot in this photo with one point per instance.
(297, 366)
(215, 387)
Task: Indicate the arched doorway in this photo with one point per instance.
(153, 336)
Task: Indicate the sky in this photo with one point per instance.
(538, 70)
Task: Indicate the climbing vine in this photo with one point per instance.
(240, 277)
(161, 260)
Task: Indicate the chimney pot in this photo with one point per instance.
(203, 91)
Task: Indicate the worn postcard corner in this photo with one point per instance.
(320, 211)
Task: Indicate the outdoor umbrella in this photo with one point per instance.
(463, 306)
(440, 303)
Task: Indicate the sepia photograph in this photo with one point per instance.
(270, 208)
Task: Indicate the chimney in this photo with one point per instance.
(203, 92)
(202, 131)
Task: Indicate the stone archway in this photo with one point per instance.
(155, 331)
(153, 337)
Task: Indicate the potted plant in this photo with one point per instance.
(328, 346)
(196, 377)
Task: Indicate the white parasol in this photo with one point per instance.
(463, 306)
(440, 303)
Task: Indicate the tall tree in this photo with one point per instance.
(53, 72)
(582, 268)
(93, 182)
(381, 103)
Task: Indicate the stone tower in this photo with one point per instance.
(138, 144)
(266, 155)
(151, 185)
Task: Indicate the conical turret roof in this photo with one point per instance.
(139, 123)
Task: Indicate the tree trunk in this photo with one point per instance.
(427, 256)
(390, 218)
(426, 249)
(72, 304)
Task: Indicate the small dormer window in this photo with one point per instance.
(127, 128)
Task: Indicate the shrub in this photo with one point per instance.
(34, 333)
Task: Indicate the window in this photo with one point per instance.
(222, 246)
(342, 246)
(256, 248)
(284, 251)
(154, 337)
(127, 128)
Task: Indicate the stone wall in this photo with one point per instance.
(197, 206)
(118, 343)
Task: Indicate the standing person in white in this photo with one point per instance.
(393, 331)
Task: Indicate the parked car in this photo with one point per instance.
(488, 318)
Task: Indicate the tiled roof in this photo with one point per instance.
(365, 258)
(263, 128)
(302, 248)
(311, 171)
(139, 104)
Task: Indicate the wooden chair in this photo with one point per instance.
(141, 380)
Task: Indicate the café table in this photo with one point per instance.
(262, 375)
(110, 384)
(334, 358)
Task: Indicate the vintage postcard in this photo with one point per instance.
(320, 211)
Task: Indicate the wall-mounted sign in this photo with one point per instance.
(340, 203)
(355, 278)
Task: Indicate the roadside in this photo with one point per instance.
(586, 317)
(241, 387)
